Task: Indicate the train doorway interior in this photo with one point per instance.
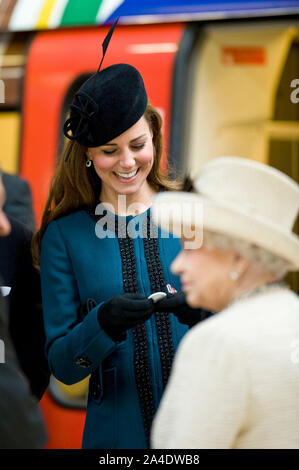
(240, 100)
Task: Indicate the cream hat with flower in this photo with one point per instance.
(241, 198)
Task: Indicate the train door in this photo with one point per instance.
(241, 97)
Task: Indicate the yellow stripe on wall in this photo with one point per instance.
(45, 13)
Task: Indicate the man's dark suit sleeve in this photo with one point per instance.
(26, 318)
(21, 423)
(18, 202)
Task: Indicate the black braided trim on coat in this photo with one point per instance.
(156, 276)
(141, 346)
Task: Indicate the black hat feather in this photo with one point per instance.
(107, 104)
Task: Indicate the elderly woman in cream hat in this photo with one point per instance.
(235, 379)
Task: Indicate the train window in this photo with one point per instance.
(10, 125)
(239, 100)
(284, 155)
(285, 104)
(12, 61)
(69, 396)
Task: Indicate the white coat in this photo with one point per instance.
(235, 379)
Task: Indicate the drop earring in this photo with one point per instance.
(233, 275)
(88, 163)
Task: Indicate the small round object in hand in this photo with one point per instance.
(157, 296)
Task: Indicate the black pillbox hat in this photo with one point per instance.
(106, 105)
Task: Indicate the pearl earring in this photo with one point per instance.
(233, 275)
(88, 163)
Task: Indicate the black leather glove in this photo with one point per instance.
(176, 304)
(123, 312)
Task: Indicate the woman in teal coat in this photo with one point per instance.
(101, 257)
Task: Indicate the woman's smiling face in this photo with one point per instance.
(124, 163)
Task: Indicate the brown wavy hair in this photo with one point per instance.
(74, 186)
